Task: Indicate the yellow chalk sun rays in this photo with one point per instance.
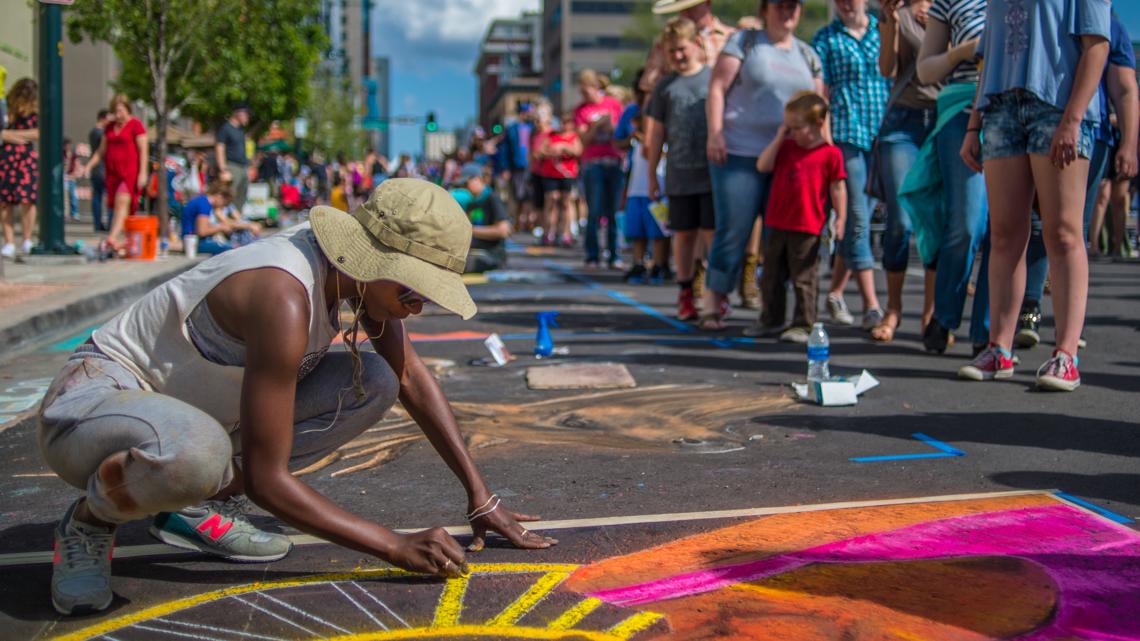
(448, 614)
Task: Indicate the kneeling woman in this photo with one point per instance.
(218, 383)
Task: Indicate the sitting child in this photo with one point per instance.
(807, 169)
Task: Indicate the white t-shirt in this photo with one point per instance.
(639, 173)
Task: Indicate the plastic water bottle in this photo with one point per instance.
(543, 342)
(818, 352)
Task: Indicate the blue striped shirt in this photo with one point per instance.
(851, 72)
(966, 20)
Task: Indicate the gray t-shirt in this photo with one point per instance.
(916, 95)
(679, 102)
(234, 140)
(768, 78)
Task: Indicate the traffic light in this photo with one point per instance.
(431, 124)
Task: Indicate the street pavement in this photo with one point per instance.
(712, 425)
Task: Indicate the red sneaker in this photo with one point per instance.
(1059, 373)
(992, 363)
(686, 310)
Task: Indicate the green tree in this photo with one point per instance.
(333, 125)
(202, 56)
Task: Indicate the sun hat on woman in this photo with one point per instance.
(410, 232)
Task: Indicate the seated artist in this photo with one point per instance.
(490, 226)
(220, 382)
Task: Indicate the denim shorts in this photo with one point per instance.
(1017, 123)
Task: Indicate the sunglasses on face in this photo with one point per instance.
(408, 296)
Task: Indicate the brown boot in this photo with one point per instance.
(749, 291)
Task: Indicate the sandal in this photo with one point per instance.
(884, 332)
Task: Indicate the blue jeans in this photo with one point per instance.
(72, 197)
(856, 245)
(903, 132)
(98, 193)
(1036, 261)
(1017, 123)
(967, 221)
(604, 184)
(740, 194)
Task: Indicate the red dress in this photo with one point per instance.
(121, 161)
(19, 167)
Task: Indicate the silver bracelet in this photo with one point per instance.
(481, 514)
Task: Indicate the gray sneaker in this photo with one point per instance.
(220, 528)
(837, 307)
(872, 318)
(81, 568)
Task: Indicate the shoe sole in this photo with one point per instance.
(186, 544)
(1054, 384)
(81, 610)
(1026, 338)
(971, 373)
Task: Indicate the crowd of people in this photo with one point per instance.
(745, 150)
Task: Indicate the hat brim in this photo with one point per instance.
(354, 251)
(673, 6)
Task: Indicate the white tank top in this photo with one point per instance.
(151, 340)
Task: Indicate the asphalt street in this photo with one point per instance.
(711, 425)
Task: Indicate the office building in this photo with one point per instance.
(583, 34)
(509, 67)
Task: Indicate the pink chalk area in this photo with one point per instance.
(1094, 563)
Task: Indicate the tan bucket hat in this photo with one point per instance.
(410, 232)
(673, 6)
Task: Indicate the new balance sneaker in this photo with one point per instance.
(686, 309)
(837, 308)
(222, 529)
(81, 567)
(1059, 374)
(993, 363)
(1028, 325)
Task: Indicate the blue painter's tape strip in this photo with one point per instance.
(70, 344)
(618, 296)
(671, 322)
(1106, 513)
(902, 457)
(938, 445)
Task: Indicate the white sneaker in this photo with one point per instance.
(9, 251)
(28, 246)
(837, 308)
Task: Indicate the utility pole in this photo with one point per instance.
(50, 201)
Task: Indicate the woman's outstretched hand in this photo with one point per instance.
(494, 517)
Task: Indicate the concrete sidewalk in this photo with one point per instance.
(43, 297)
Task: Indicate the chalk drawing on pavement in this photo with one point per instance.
(496, 601)
(692, 418)
(1029, 568)
(22, 396)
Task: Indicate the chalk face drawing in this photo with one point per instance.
(1024, 568)
(692, 418)
(496, 601)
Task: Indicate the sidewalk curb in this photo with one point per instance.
(77, 313)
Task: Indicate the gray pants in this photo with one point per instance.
(137, 452)
(241, 183)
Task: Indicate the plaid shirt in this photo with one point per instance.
(851, 72)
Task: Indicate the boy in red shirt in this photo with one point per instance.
(807, 169)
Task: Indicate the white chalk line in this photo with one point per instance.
(139, 551)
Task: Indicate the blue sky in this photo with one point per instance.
(432, 45)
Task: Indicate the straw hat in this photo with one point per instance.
(673, 6)
(409, 231)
